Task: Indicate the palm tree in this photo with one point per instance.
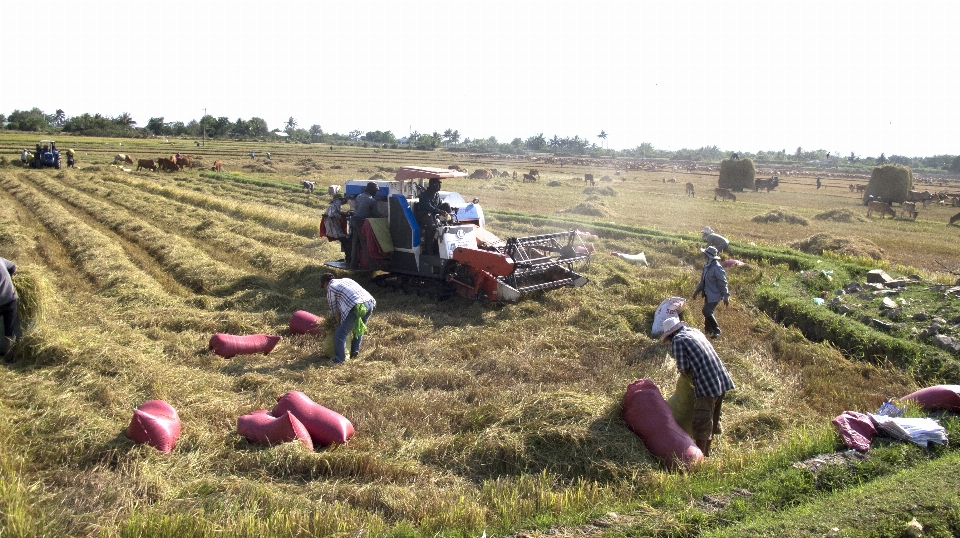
(555, 142)
(125, 119)
(291, 124)
(59, 117)
(602, 135)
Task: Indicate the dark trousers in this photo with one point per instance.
(710, 324)
(11, 326)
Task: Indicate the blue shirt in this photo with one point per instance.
(713, 283)
(343, 294)
(365, 206)
(695, 354)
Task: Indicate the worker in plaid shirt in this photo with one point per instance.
(354, 305)
(696, 357)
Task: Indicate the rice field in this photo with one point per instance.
(470, 417)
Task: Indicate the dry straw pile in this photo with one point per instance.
(892, 182)
(737, 174)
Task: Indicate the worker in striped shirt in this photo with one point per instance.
(696, 357)
(354, 305)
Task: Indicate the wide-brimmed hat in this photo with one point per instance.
(706, 230)
(670, 326)
(711, 252)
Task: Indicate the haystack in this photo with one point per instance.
(779, 215)
(737, 174)
(847, 246)
(891, 182)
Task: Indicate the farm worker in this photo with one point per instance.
(8, 308)
(268, 155)
(354, 305)
(697, 359)
(252, 155)
(715, 240)
(428, 207)
(335, 224)
(818, 182)
(364, 207)
(713, 286)
(71, 159)
(23, 156)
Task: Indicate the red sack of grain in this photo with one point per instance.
(303, 322)
(937, 397)
(648, 415)
(856, 430)
(155, 423)
(228, 345)
(325, 426)
(268, 429)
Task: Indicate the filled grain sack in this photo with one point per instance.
(155, 423)
(937, 397)
(669, 308)
(268, 429)
(325, 426)
(228, 345)
(856, 430)
(681, 403)
(303, 322)
(648, 415)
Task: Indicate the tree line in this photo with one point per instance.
(124, 126)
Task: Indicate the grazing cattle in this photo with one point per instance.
(861, 188)
(672, 180)
(167, 165)
(122, 158)
(768, 184)
(955, 218)
(457, 167)
(505, 174)
(307, 186)
(536, 173)
(908, 208)
(529, 178)
(883, 208)
(690, 191)
(185, 162)
(217, 166)
(481, 173)
(146, 163)
(920, 196)
(723, 194)
(588, 179)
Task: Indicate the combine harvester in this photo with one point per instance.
(464, 257)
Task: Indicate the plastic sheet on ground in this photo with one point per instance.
(916, 430)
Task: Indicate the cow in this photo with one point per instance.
(529, 178)
(167, 165)
(457, 167)
(307, 186)
(588, 179)
(882, 207)
(122, 158)
(146, 163)
(217, 166)
(768, 184)
(861, 188)
(481, 173)
(536, 173)
(690, 190)
(908, 208)
(954, 218)
(185, 162)
(920, 196)
(505, 174)
(723, 194)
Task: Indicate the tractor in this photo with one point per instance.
(46, 154)
(463, 257)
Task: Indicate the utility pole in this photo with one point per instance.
(204, 126)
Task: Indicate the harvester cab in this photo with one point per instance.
(46, 154)
(459, 255)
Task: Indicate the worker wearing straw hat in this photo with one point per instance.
(697, 358)
(713, 286)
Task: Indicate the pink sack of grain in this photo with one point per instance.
(325, 426)
(856, 430)
(228, 345)
(648, 415)
(265, 428)
(155, 423)
(303, 322)
(937, 397)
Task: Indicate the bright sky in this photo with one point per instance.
(867, 77)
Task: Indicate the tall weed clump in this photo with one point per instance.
(737, 174)
(892, 182)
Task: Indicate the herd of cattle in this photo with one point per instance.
(174, 163)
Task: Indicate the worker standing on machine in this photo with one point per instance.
(428, 209)
(365, 207)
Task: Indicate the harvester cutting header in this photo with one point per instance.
(431, 238)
